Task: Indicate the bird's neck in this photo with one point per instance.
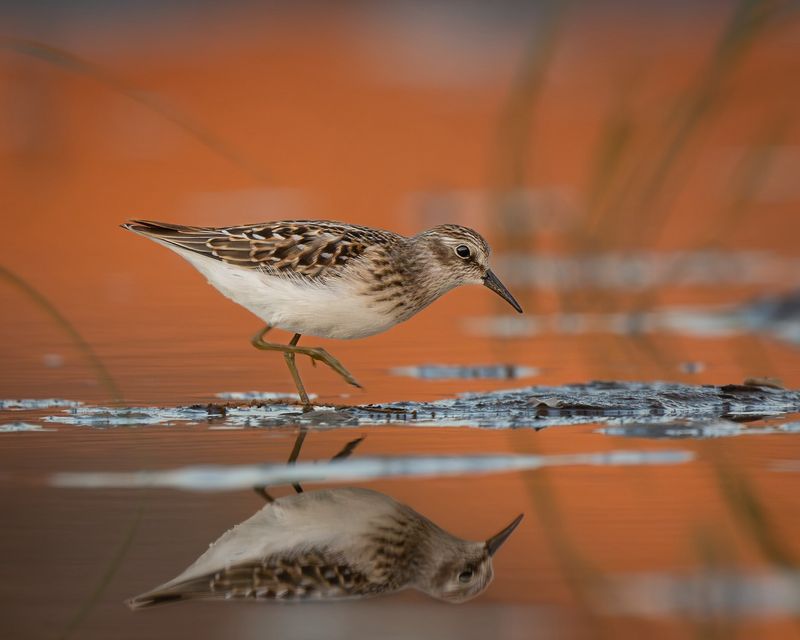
(423, 265)
(439, 554)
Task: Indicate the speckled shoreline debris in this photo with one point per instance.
(530, 407)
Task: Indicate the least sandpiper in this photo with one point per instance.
(329, 279)
(334, 544)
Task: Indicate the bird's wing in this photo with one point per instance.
(311, 574)
(305, 248)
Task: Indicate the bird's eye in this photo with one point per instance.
(465, 576)
(462, 251)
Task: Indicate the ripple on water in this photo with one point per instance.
(235, 477)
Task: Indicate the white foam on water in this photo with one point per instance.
(19, 427)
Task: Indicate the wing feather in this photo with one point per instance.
(316, 574)
(305, 248)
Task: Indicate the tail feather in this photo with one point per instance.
(172, 592)
(194, 239)
(163, 230)
(145, 601)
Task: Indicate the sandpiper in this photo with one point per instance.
(334, 544)
(329, 279)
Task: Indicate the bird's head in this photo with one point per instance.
(458, 256)
(462, 570)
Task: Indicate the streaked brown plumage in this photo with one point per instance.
(311, 249)
(334, 544)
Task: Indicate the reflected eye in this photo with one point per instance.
(466, 576)
(462, 251)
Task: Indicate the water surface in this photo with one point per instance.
(641, 413)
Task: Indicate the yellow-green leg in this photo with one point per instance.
(291, 350)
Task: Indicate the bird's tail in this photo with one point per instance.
(143, 601)
(172, 592)
(176, 235)
(162, 230)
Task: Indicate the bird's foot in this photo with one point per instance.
(318, 353)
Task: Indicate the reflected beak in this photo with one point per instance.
(497, 540)
(490, 280)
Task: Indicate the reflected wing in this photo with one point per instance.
(306, 248)
(311, 575)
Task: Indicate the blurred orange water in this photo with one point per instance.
(390, 118)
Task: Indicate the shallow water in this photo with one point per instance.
(617, 531)
(660, 500)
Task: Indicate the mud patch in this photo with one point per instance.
(261, 395)
(531, 407)
(696, 430)
(31, 404)
(87, 416)
(603, 401)
(777, 317)
(466, 372)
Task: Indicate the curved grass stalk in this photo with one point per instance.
(512, 156)
(78, 340)
(649, 199)
(66, 60)
(111, 569)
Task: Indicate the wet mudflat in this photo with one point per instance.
(531, 407)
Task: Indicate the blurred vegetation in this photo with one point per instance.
(97, 364)
(634, 177)
(198, 131)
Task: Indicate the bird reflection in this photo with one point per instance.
(334, 544)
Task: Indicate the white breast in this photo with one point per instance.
(331, 309)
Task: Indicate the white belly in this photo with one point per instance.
(330, 310)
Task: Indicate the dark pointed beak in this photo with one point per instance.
(497, 540)
(490, 280)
